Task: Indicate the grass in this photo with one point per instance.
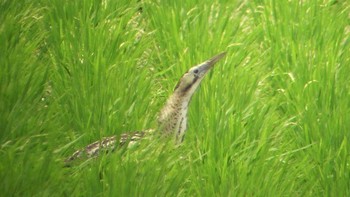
(270, 120)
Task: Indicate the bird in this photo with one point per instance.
(172, 119)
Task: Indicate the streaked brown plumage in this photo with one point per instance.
(172, 120)
(107, 144)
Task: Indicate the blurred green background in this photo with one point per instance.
(272, 118)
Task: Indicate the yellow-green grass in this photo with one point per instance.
(272, 118)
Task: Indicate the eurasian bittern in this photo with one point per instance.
(172, 120)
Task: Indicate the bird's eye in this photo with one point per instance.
(195, 71)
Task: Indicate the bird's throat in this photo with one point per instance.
(173, 117)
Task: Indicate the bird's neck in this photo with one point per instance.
(173, 117)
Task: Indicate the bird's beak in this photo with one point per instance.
(207, 65)
(215, 59)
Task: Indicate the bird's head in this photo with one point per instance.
(193, 77)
